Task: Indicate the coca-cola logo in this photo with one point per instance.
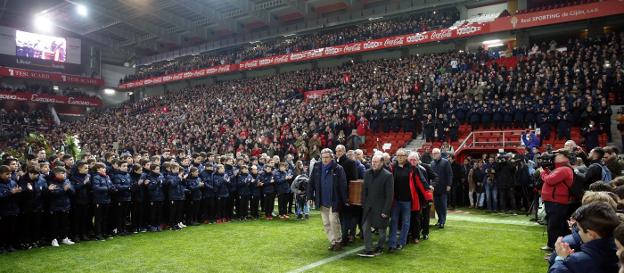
(147, 81)
(468, 30)
(210, 71)
(353, 47)
(398, 41)
(372, 44)
(225, 68)
(442, 34)
(187, 74)
(281, 59)
(332, 50)
(158, 80)
(250, 64)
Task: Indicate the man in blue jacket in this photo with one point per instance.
(176, 194)
(595, 222)
(31, 206)
(445, 177)
(194, 185)
(256, 192)
(328, 189)
(243, 180)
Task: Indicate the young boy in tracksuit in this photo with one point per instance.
(222, 193)
(59, 191)
(298, 187)
(102, 187)
(155, 196)
(9, 210)
(230, 175)
(176, 196)
(209, 201)
(282, 189)
(255, 192)
(138, 198)
(31, 206)
(194, 185)
(243, 180)
(122, 197)
(81, 181)
(267, 181)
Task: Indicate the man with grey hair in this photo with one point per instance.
(328, 189)
(423, 177)
(376, 203)
(443, 169)
(346, 215)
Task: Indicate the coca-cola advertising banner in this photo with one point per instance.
(46, 98)
(199, 73)
(554, 16)
(49, 76)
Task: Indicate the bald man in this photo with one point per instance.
(377, 198)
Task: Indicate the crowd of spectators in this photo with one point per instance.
(550, 90)
(404, 24)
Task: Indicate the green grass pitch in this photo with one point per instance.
(471, 242)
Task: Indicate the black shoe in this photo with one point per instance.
(100, 238)
(10, 249)
(299, 217)
(306, 216)
(378, 250)
(85, 238)
(76, 239)
(367, 254)
(391, 250)
(441, 226)
(399, 247)
(338, 247)
(425, 237)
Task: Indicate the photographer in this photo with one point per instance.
(556, 196)
(489, 182)
(505, 182)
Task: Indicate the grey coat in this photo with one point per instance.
(377, 196)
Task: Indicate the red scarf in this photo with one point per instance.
(416, 184)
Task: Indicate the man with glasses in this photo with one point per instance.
(328, 189)
(404, 190)
(423, 177)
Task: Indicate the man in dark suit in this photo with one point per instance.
(347, 222)
(443, 169)
(328, 189)
(376, 203)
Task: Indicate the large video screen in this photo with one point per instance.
(37, 46)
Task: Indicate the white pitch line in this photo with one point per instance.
(326, 260)
(471, 218)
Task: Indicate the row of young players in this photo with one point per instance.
(100, 198)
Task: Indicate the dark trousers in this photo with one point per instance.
(176, 212)
(138, 214)
(254, 204)
(507, 198)
(221, 207)
(345, 224)
(156, 213)
(230, 202)
(192, 211)
(420, 222)
(120, 214)
(269, 204)
(440, 207)
(8, 231)
(282, 203)
(556, 218)
(211, 208)
(291, 202)
(30, 226)
(242, 207)
(79, 220)
(101, 219)
(59, 224)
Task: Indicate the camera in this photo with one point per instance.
(546, 160)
